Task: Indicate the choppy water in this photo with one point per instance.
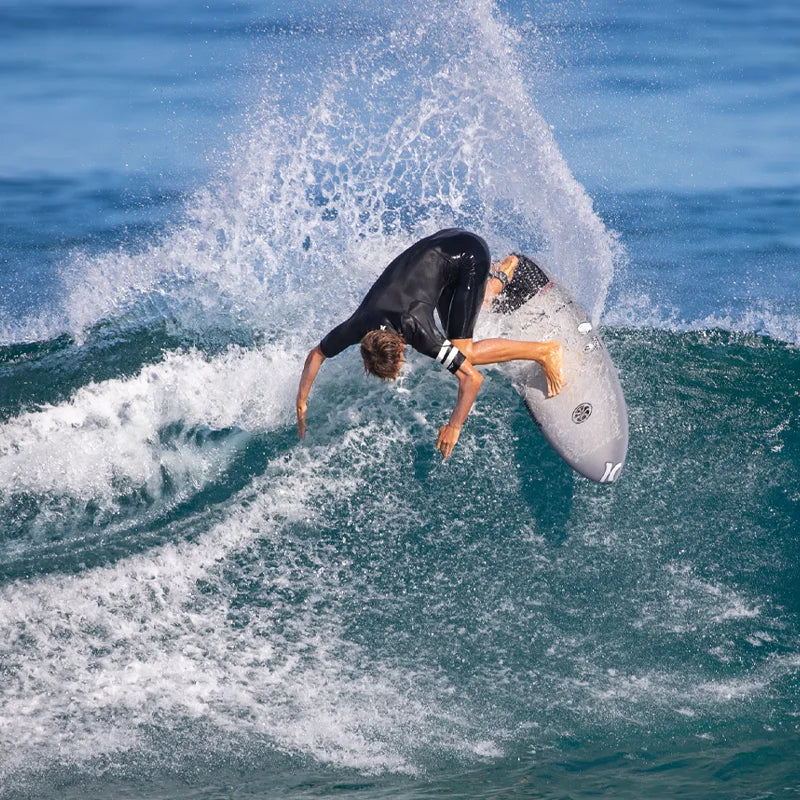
(193, 604)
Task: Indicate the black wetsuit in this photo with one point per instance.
(446, 272)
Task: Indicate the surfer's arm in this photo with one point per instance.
(310, 369)
(469, 383)
(340, 338)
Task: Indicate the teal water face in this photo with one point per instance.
(357, 601)
(194, 604)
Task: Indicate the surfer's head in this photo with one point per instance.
(382, 352)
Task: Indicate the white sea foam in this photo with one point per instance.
(691, 603)
(638, 310)
(106, 439)
(762, 318)
(92, 662)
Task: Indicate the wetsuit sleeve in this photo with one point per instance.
(340, 338)
(427, 340)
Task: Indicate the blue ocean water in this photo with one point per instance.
(193, 604)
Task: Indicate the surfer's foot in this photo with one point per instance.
(553, 367)
(507, 266)
(494, 286)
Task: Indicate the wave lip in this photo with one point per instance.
(113, 436)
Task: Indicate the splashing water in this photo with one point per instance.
(430, 125)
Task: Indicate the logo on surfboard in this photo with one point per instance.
(611, 473)
(581, 413)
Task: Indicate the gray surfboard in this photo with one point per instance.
(587, 423)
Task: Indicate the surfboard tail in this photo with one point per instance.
(529, 278)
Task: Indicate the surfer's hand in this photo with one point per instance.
(301, 420)
(448, 436)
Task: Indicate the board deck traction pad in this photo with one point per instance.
(598, 450)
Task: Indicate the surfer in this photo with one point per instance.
(452, 273)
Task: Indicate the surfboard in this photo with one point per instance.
(587, 422)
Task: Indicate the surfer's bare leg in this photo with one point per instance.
(496, 351)
(494, 285)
